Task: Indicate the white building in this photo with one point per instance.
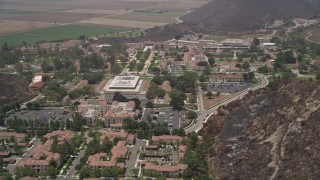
(129, 86)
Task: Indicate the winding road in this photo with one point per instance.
(205, 114)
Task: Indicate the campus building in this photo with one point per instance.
(129, 86)
(91, 109)
(120, 111)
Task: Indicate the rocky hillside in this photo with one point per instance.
(13, 88)
(243, 15)
(273, 134)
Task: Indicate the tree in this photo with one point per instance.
(245, 76)
(192, 115)
(251, 76)
(51, 171)
(246, 65)
(107, 145)
(263, 70)
(178, 132)
(19, 67)
(211, 60)
(116, 69)
(256, 42)
(149, 104)
(202, 63)
(209, 94)
(24, 171)
(119, 97)
(84, 172)
(206, 70)
(177, 103)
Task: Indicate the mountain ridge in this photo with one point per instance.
(243, 15)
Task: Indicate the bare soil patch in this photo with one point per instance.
(153, 19)
(123, 23)
(52, 17)
(215, 100)
(19, 26)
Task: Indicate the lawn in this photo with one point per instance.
(57, 33)
(159, 14)
(218, 37)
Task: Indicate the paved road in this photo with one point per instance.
(75, 162)
(204, 115)
(133, 156)
(200, 99)
(148, 63)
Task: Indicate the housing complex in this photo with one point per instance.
(40, 159)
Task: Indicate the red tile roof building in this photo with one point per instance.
(42, 155)
(165, 170)
(101, 160)
(18, 137)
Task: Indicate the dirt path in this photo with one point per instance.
(310, 35)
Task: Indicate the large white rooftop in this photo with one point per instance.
(124, 84)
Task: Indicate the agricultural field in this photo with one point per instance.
(58, 33)
(54, 19)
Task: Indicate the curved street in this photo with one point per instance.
(205, 114)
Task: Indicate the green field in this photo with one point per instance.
(217, 37)
(10, 12)
(162, 14)
(57, 33)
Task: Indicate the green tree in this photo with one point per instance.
(256, 42)
(209, 94)
(177, 103)
(211, 60)
(246, 65)
(116, 69)
(107, 145)
(84, 172)
(149, 104)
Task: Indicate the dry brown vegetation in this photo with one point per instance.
(271, 134)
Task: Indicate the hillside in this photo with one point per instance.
(268, 135)
(13, 88)
(243, 15)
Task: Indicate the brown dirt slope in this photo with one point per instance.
(270, 135)
(243, 15)
(13, 88)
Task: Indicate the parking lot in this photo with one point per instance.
(228, 87)
(47, 114)
(174, 119)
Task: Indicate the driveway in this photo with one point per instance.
(134, 150)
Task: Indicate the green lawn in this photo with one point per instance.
(164, 14)
(218, 37)
(57, 33)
